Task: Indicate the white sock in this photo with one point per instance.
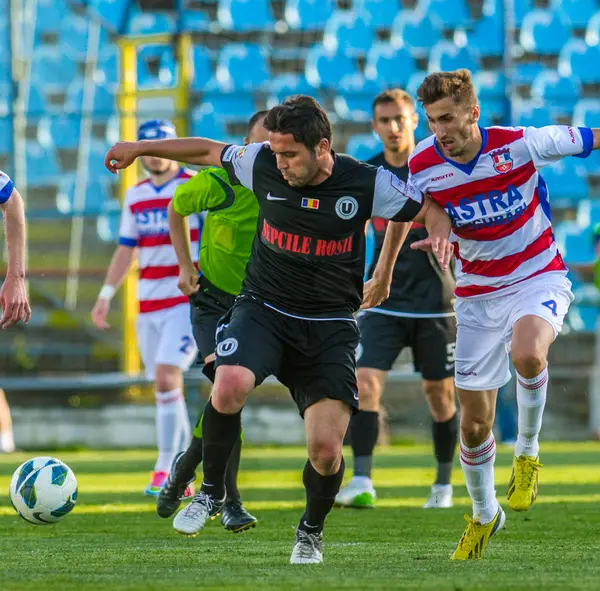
(171, 423)
(531, 399)
(185, 437)
(478, 465)
(7, 443)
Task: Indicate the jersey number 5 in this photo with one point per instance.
(551, 305)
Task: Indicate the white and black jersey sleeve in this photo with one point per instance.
(394, 199)
(239, 161)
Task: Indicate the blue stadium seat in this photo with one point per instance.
(195, 21)
(73, 36)
(487, 37)
(545, 32)
(414, 82)
(592, 34)
(150, 23)
(578, 248)
(37, 104)
(350, 32)
(446, 56)
(308, 15)
(112, 13)
(364, 146)
(5, 74)
(156, 66)
(245, 15)
(494, 111)
(550, 86)
(6, 99)
(61, 132)
(525, 74)
(6, 133)
(96, 168)
(353, 107)
(583, 318)
(42, 165)
(587, 113)
(566, 185)
(490, 84)
(588, 213)
(284, 85)
(242, 67)
(108, 67)
(203, 68)
(104, 99)
(107, 225)
(382, 12)
(529, 114)
(579, 12)
(416, 32)
(580, 61)
(96, 194)
(388, 66)
(206, 124)
(51, 69)
(236, 106)
(326, 70)
(591, 164)
(448, 15)
(49, 15)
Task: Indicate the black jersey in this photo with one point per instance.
(419, 286)
(309, 252)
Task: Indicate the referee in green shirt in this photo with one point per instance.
(227, 235)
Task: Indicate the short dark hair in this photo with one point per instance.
(255, 119)
(457, 85)
(393, 95)
(303, 117)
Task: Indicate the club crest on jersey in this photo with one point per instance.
(502, 160)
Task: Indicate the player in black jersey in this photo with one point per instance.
(294, 317)
(418, 314)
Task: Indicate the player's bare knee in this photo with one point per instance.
(369, 389)
(529, 362)
(325, 455)
(474, 431)
(231, 388)
(440, 399)
(168, 378)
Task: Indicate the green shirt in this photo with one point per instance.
(229, 227)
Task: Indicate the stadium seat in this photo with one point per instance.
(203, 68)
(592, 34)
(107, 225)
(51, 69)
(242, 67)
(587, 113)
(446, 56)
(6, 133)
(236, 106)
(6, 100)
(353, 107)
(525, 74)
(415, 32)
(487, 37)
(156, 66)
(284, 85)
(550, 86)
(382, 12)
(61, 132)
(112, 13)
(95, 196)
(494, 111)
(49, 16)
(580, 61)
(579, 12)
(388, 66)
(350, 32)
(107, 68)
(567, 187)
(529, 114)
(583, 318)
(448, 15)
(308, 15)
(150, 23)
(96, 168)
(591, 164)
(245, 15)
(490, 84)
(364, 146)
(588, 213)
(545, 32)
(578, 248)
(37, 104)
(206, 124)
(42, 165)
(326, 70)
(104, 99)
(195, 21)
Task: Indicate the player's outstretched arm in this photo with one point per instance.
(13, 294)
(180, 238)
(438, 225)
(377, 289)
(193, 150)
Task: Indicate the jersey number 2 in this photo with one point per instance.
(186, 343)
(551, 305)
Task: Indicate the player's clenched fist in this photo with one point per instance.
(121, 155)
(188, 281)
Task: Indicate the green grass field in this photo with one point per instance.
(114, 541)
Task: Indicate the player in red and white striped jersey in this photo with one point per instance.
(512, 291)
(163, 326)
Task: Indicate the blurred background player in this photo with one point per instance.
(163, 326)
(418, 314)
(14, 303)
(227, 236)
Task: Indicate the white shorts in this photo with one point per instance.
(165, 337)
(485, 328)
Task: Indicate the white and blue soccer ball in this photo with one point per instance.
(43, 490)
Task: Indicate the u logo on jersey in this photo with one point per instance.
(502, 160)
(346, 207)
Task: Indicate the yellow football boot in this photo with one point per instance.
(523, 485)
(476, 536)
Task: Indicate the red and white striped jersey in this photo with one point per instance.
(6, 187)
(498, 203)
(145, 224)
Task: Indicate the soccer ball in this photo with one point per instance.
(43, 490)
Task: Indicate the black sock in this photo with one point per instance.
(445, 437)
(364, 429)
(233, 467)
(320, 496)
(220, 433)
(190, 460)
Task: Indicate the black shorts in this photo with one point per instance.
(315, 359)
(432, 340)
